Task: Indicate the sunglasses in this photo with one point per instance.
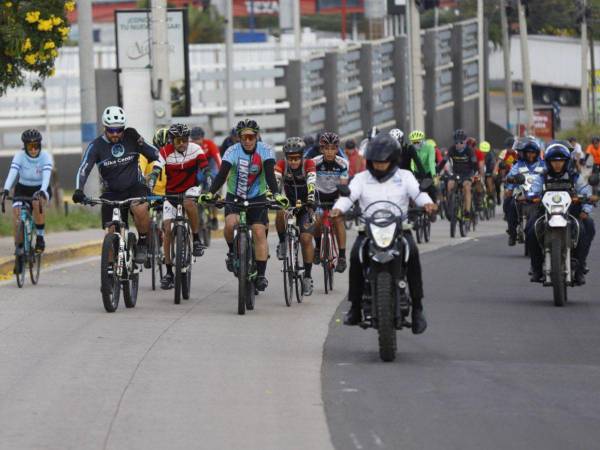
(33, 145)
(181, 140)
(115, 130)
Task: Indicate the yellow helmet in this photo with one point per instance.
(416, 136)
(431, 142)
(485, 146)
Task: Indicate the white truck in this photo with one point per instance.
(555, 67)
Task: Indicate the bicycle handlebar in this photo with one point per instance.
(103, 201)
(22, 199)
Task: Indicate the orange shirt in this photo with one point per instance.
(595, 152)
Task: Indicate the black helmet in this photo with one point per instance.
(527, 144)
(350, 144)
(509, 142)
(557, 152)
(179, 130)
(161, 137)
(247, 124)
(31, 135)
(197, 133)
(382, 148)
(595, 139)
(294, 145)
(309, 141)
(460, 135)
(329, 138)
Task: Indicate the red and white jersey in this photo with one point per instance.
(182, 168)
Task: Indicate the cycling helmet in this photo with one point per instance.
(161, 137)
(557, 152)
(382, 148)
(247, 124)
(595, 139)
(485, 147)
(309, 141)
(371, 132)
(460, 136)
(197, 133)
(471, 142)
(179, 130)
(397, 134)
(329, 138)
(114, 116)
(527, 144)
(350, 144)
(431, 142)
(416, 136)
(509, 142)
(31, 135)
(294, 145)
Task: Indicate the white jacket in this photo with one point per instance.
(398, 189)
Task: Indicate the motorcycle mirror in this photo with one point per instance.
(425, 184)
(519, 178)
(594, 180)
(344, 190)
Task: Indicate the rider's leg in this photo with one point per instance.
(468, 196)
(308, 252)
(280, 227)
(16, 218)
(588, 232)
(512, 218)
(340, 233)
(317, 237)
(415, 286)
(167, 236)
(40, 224)
(356, 283)
(261, 253)
(191, 208)
(535, 250)
(141, 217)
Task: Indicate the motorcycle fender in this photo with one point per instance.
(383, 257)
(557, 221)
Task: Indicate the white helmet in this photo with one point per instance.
(114, 116)
(397, 134)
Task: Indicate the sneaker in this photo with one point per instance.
(579, 278)
(229, 262)
(141, 252)
(198, 249)
(419, 324)
(512, 240)
(307, 286)
(214, 223)
(261, 283)
(341, 265)
(537, 276)
(281, 251)
(40, 244)
(317, 256)
(353, 316)
(167, 281)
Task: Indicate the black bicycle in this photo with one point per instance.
(244, 263)
(25, 254)
(155, 249)
(118, 269)
(293, 271)
(421, 224)
(456, 208)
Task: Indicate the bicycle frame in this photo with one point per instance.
(326, 225)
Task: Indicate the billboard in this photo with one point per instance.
(244, 8)
(132, 28)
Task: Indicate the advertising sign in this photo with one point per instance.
(543, 124)
(244, 8)
(133, 39)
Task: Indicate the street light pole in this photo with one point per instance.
(526, 68)
(481, 51)
(414, 23)
(161, 85)
(507, 75)
(584, 66)
(229, 64)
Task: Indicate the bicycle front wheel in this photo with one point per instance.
(243, 282)
(130, 285)
(177, 255)
(186, 280)
(35, 262)
(298, 277)
(325, 260)
(154, 252)
(287, 273)
(109, 281)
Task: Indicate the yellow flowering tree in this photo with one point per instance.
(31, 33)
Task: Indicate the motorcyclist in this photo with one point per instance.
(383, 180)
(560, 176)
(529, 164)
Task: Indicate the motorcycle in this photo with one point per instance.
(558, 233)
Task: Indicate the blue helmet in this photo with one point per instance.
(527, 144)
(557, 152)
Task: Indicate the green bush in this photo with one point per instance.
(583, 132)
(79, 218)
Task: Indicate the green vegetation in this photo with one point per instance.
(78, 219)
(583, 132)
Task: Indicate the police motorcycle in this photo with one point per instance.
(386, 301)
(558, 232)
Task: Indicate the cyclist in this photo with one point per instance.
(183, 160)
(160, 139)
(297, 176)
(407, 154)
(33, 166)
(593, 151)
(248, 168)
(211, 150)
(317, 149)
(489, 163)
(332, 170)
(426, 154)
(116, 154)
(529, 164)
(479, 177)
(383, 180)
(463, 163)
(356, 163)
(506, 158)
(230, 140)
(558, 173)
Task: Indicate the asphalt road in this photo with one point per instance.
(499, 367)
(160, 376)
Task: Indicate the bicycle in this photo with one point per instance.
(25, 254)
(204, 217)
(329, 251)
(421, 224)
(181, 248)
(244, 264)
(293, 272)
(155, 250)
(118, 269)
(456, 202)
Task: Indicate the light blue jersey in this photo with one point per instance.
(31, 171)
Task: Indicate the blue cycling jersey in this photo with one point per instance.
(31, 171)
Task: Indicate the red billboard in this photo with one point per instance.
(242, 8)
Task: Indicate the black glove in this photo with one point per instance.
(5, 194)
(78, 196)
(132, 134)
(519, 178)
(344, 190)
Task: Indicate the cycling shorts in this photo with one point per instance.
(137, 190)
(257, 215)
(170, 206)
(22, 190)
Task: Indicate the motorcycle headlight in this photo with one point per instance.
(557, 209)
(383, 236)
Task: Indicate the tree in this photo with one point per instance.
(31, 32)
(206, 26)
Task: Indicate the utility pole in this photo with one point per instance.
(584, 64)
(161, 85)
(526, 68)
(507, 75)
(416, 85)
(297, 34)
(229, 64)
(593, 70)
(481, 51)
(87, 80)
